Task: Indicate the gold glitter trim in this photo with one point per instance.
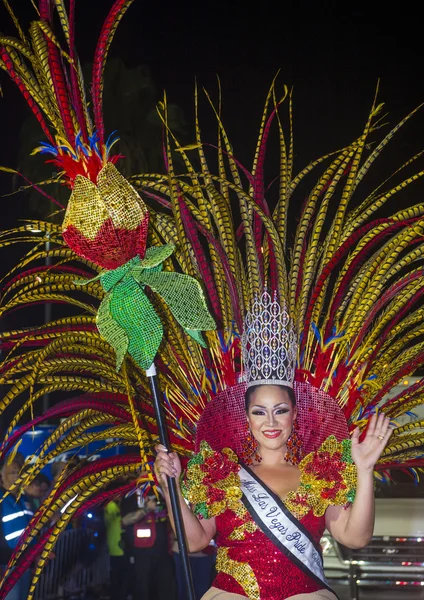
(240, 532)
(241, 572)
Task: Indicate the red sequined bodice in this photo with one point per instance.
(277, 577)
(248, 563)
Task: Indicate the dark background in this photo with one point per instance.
(333, 54)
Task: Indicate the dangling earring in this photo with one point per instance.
(250, 452)
(294, 452)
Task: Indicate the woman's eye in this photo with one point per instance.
(282, 411)
(258, 412)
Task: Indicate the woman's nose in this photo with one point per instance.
(271, 419)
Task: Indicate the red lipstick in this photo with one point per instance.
(272, 433)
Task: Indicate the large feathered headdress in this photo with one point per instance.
(352, 281)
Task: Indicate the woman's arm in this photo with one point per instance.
(133, 517)
(198, 533)
(353, 527)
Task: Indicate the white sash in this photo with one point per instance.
(280, 526)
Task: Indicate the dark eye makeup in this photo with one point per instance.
(279, 411)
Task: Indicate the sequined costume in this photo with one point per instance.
(166, 266)
(248, 563)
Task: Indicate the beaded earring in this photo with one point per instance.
(294, 452)
(250, 452)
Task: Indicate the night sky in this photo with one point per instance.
(331, 52)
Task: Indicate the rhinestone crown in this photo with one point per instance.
(269, 343)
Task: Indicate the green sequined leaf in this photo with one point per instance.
(347, 451)
(197, 459)
(351, 496)
(113, 333)
(87, 281)
(132, 310)
(184, 297)
(197, 336)
(202, 509)
(111, 278)
(137, 272)
(155, 255)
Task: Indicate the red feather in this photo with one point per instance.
(45, 9)
(67, 408)
(31, 103)
(95, 467)
(23, 564)
(101, 499)
(385, 298)
(202, 262)
(76, 92)
(232, 287)
(411, 367)
(383, 336)
(116, 13)
(411, 390)
(60, 89)
(365, 252)
(333, 264)
(259, 197)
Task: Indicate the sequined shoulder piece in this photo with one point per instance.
(211, 483)
(328, 477)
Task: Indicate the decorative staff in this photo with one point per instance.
(106, 222)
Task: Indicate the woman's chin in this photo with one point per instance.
(276, 444)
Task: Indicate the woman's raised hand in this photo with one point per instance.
(166, 463)
(366, 453)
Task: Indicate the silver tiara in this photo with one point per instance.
(269, 343)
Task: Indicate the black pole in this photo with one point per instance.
(172, 484)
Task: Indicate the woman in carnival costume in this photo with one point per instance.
(269, 508)
(173, 268)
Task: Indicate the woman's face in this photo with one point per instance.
(10, 474)
(271, 414)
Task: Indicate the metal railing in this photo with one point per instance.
(80, 564)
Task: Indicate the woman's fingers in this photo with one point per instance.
(166, 462)
(378, 426)
(161, 448)
(382, 427)
(164, 466)
(165, 470)
(355, 436)
(372, 424)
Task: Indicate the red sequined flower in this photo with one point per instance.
(217, 467)
(326, 466)
(106, 223)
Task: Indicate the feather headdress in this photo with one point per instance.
(352, 281)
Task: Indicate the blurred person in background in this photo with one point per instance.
(148, 541)
(56, 469)
(119, 567)
(37, 490)
(15, 516)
